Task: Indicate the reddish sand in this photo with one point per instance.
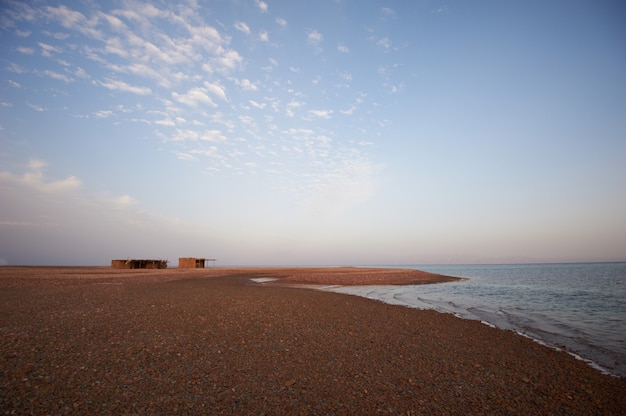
(102, 341)
(346, 276)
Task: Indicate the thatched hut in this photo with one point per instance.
(139, 264)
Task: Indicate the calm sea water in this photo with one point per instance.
(577, 307)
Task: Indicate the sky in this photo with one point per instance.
(329, 132)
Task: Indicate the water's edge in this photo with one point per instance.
(553, 320)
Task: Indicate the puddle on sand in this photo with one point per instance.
(264, 279)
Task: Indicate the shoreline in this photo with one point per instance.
(612, 371)
(168, 341)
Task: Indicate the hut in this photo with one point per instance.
(193, 262)
(139, 264)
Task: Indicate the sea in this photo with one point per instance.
(576, 307)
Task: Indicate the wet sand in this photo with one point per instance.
(103, 341)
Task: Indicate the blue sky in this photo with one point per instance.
(300, 132)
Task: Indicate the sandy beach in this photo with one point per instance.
(212, 341)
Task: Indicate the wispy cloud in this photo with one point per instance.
(314, 38)
(103, 114)
(198, 135)
(262, 5)
(211, 151)
(246, 84)
(292, 106)
(25, 50)
(34, 178)
(57, 76)
(299, 133)
(216, 89)
(321, 113)
(57, 35)
(15, 68)
(121, 202)
(117, 85)
(349, 111)
(387, 12)
(36, 107)
(257, 105)
(385, 43)
(184, 156)
(227, 61)
(242, 27)
(194, 97)
(48, 50)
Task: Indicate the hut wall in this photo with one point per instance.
(120, 264)
(190, 263)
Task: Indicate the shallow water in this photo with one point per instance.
(579, 307)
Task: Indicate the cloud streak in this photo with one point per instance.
(122, 86)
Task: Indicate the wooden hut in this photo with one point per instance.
(139, 264)
(193, 262)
